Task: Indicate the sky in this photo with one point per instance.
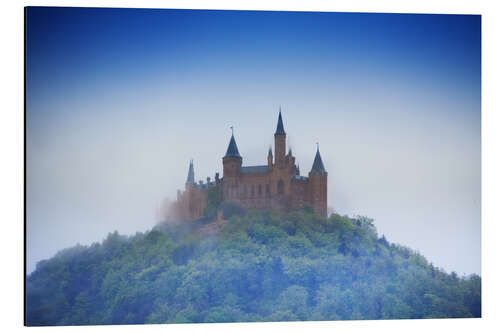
(119, 100)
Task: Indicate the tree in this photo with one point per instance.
(262, 265)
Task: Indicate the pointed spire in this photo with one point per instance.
(318, 163)
(270, 152)
(279, 128)
(190, 178)
(232, 149)
(290, 151)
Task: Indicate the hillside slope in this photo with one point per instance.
(261, 266)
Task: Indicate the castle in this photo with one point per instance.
(277, 185)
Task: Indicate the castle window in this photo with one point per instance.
(245, 192)
(260, 190)
(268, 190)
(281, 187)
(253, 191)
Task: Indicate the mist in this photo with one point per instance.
(400, 141)
(111, 171)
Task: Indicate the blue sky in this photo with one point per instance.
(119, 100)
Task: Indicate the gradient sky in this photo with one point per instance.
(119, 100)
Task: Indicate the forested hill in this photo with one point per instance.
(260, 266)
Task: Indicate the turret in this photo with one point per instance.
(232, 169)
(318, 182)
(280, 142)
(232, 162)
(290, 160)
(270, 157)
(190, 177)
(318, 166)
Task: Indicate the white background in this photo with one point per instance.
(11, 162)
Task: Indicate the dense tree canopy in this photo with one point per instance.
(261, 266)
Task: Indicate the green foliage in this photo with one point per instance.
(262, 266)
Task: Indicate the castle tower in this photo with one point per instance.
(318, 180)
(187, 209)
(280, 142)
(270, 158)
(190, 177)
(232, 170)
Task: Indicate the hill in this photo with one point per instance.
(260, 266)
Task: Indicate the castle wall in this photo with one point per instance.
(301, 195)
(318, 193)
(275, 186)
(190, 204)
(277, 189)
(264, 190)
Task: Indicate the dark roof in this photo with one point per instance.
(190, 178)
(254, 169)
(279, 128)
(318, 164)
(232, 149)
(205, 186)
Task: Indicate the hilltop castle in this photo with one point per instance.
(277, 185)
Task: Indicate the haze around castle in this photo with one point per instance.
(396, 108)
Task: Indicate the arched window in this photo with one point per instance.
(281, 187)
(268, 190)
(253, 191)
(260, 190)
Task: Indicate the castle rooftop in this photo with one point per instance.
(232, 149)
(318, 163)
(254, 169)
(279, 128)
